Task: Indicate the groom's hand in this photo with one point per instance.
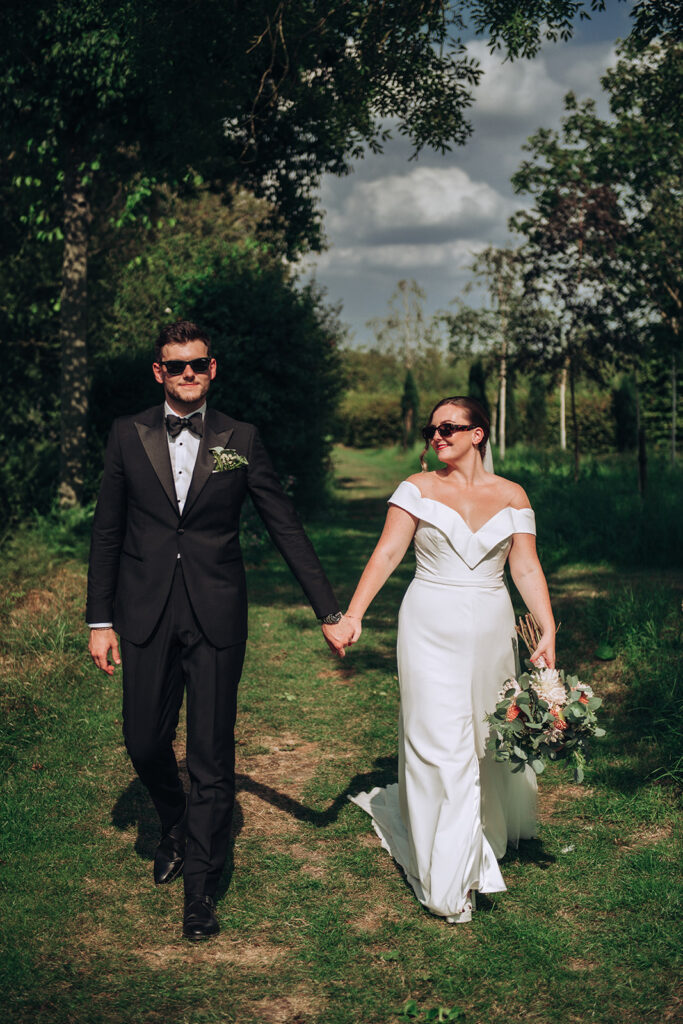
(339, 636)
(102, 641)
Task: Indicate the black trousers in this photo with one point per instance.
(155, 676)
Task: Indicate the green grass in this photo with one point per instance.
(317, 924)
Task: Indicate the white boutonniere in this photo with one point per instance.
(227, 458)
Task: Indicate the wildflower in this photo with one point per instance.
(512, 713)
(560, 722)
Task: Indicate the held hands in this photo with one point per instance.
(102, 641)
(343, 634)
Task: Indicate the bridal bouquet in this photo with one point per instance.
(543, 715)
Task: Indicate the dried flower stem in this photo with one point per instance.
(530, 631)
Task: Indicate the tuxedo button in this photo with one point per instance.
(180, 530)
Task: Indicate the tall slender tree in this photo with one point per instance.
(572, 235)
(644, 149)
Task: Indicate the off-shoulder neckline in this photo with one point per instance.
(506, 508)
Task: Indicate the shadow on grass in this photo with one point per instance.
(529, 851)
(134, 807)
(383, 774)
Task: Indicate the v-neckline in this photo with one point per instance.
(462, 519)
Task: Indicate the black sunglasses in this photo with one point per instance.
(446, 429)
(174, 367)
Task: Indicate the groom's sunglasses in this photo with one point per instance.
(446, 429)
(174, 367)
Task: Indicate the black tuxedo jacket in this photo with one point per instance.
(138, 531)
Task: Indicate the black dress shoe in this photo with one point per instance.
(199, 921)
(170, 855)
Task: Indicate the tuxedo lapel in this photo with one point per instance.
(204, 466)
(155, 443)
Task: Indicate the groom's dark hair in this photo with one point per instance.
(476, 415)
(181, 332)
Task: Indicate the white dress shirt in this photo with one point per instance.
(183, 450)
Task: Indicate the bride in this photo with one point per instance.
(455, 809)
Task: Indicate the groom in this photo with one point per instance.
(166, 573)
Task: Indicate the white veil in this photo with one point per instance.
(488, 459)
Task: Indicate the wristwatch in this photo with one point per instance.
(332, 619)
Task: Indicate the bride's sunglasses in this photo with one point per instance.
(174, 367)
(446, 429)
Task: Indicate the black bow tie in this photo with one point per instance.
(174, 424)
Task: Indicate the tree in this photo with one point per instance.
(99, 105)
(275, 340)
(572, 244)
(405, 332)
(476, 384)
(410, 406)
(644, 151)
(499, 270)
(503, 332)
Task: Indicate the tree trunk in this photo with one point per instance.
(642, 448)
(72, 333)
(494, 419)
(674, 412)
(502, 401)
(408, 427)
(563, 409)
(575, 421)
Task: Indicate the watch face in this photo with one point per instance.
(333, 619)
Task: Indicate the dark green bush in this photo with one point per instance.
(624, 411)
(369, 420)
(276, 345)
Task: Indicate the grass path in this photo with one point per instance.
(318, 926)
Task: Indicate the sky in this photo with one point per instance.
(425, 219)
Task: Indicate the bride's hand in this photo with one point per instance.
(357, 627)
(544, 655)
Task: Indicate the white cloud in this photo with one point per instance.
(393, 219)
(514, 91)
(389, 258)
(426, 203)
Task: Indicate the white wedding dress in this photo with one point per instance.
(455, 809)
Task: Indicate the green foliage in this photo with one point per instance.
(658, 374)
(275, 342)
(645, 630)
(410, 408)
(625, 412)
(476, 385)
(367, 420)
(594, 413)
(276, 346)
(513, 430)
(65, 531)
(601, 517)
(535, 425)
